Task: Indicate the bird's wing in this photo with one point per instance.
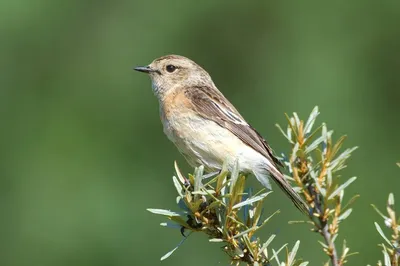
(212, 105)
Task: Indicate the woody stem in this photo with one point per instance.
(328, 240)
(324, 227)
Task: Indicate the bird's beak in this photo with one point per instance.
(145, 69)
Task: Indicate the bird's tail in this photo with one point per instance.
(280, 180)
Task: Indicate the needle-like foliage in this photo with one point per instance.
(231, 214)
(228, 213)
(314, 165)
(391, 245)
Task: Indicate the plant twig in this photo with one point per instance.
(391, 247)
(227, 213)
(332, 249)
(313, 163)
(323, 229)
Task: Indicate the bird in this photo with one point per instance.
(207, 129)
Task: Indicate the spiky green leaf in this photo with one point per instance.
(341, 187)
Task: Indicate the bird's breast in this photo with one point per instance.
(201, 140)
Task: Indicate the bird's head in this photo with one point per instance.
(172, 71)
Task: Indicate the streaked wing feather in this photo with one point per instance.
(212, 105)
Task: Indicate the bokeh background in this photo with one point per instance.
(82, 149)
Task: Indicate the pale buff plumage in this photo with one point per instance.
(203, 142)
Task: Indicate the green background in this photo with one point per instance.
(82, 149)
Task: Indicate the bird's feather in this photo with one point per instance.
(212, 105)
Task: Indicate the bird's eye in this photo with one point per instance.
(171, 68)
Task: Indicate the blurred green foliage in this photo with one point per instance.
(82, 149)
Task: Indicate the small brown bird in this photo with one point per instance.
(206, 128)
